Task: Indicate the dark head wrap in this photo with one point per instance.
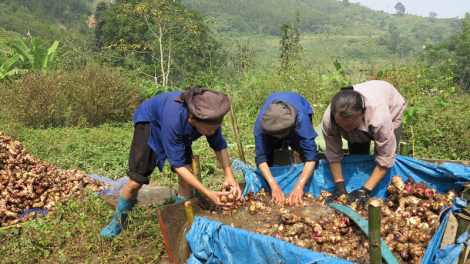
(278, 118)
(205, 104)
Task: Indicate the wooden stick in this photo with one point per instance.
(241, 154)
(196, 169)
(375, 251)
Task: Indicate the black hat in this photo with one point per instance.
(278, 117)
(205, 104)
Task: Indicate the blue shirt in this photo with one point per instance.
(302, 138)
(170, 131)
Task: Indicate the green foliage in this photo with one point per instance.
(22, 58)
(436, 119)
(7, 70)
(34, 100)
(400, 8)
(87, 97)
(34, 56)
(79, 116)
(455, 52)
(159, 38)
(74, 53)
(46, 18)
(5, 34)
(290, 45)
(339, 79)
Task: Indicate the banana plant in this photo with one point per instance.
(35, 57)
(5, 68)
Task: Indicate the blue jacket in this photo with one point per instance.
(170, 131)
(302, 139)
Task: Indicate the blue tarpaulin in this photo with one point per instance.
(356, 171)
(208, 239)
(214, 242)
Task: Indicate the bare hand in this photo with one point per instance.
(215, 198)
(277, 196)
(236, 187)
(295, 197)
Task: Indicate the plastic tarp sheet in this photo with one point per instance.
(213, 242)
(115, 186)
(446, 255)
(356, 171)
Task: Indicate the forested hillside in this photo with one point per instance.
(46, 19)
(347, 31)
(404, 33)
(317, 17)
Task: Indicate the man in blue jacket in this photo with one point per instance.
(164, 128)
(285, 117)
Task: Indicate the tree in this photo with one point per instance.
(400, 8)
(290, 44)
(157, 37)
(432, 15)
(241, 60)
(393, 38)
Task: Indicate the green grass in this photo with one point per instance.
(70, 235)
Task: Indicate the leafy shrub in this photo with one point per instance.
(99, 95)
(34, 100)
(436, 120)
(84, 97)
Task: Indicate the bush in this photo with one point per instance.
(90, 96)
(34, 100)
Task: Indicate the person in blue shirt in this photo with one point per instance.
(286, 117)
(164, 128)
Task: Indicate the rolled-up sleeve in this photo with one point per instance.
(334, 144)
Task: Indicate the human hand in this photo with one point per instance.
(295, 197)
(360, 195)
(215, 197)
(334, 196)
(340, 189)
(277, 195)
(235, 187)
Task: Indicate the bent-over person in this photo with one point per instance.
(164, 128)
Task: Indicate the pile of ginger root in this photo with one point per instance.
(27, 182)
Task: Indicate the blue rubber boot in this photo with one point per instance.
(120, 215)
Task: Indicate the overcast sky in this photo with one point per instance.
(443, 8)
